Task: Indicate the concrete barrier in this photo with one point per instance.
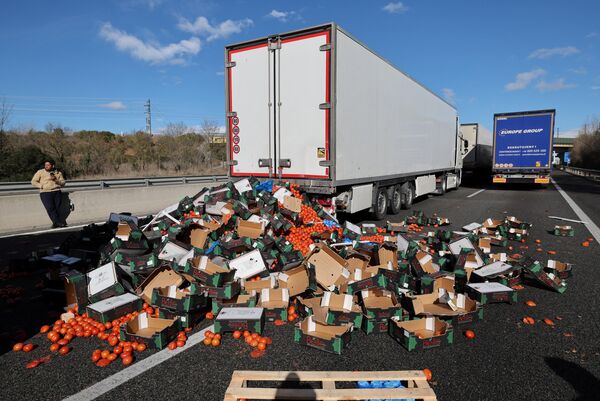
(20, 213)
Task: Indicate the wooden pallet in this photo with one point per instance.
(287, 388)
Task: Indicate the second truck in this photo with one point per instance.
(318, 108)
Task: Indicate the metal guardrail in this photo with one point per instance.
(593, 175)
(74, 185)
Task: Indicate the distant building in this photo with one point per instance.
(560, 146)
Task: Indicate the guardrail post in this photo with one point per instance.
(214, 179)
(184, 179)
(102, 184)
(147, 181)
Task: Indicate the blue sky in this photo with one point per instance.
(91, 65)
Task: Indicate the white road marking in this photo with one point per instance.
(591, 226)
(475, 193)
(49, 230)
(114, 381)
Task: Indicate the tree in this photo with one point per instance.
(6, 110)
(209, 131)
(176, 129)
(586, 147)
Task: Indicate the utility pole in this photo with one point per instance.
(148, 117)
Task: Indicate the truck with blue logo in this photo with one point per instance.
(522, 149)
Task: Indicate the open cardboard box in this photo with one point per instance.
(549, 280)
(422, 264)
(76, 289)
(232, 319)
(152, 331)
(258, 285)
(458, 309)
(206, 271)
(332, 339)
(242, 300)
(249, 229)
(388, 253)
(491, 292)
(128, 230)
(198, 236)
(189, 319)
(295, 280)
(421, 334)
(500, 272)
(292, 203)
(275, 302)
(559, 269)
(330, 268)
(174, 251)
(113, 308)
(379, 306)
(161, 277)
(179, 300)
(563, 231)
(340, 309)
(370, 278)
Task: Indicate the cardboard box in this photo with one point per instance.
(380, 304)
(332, 339)
(458, 309)
(251, 286)
(275, 302)
(330, 268)
(242, 300)
(516, 234)
(226, 291)
(295, 280)
(378, 326)
(103, 283)
(499, 272)
(113, 308)
(293, 204)
(205, 271)
(396, 227)
(178, 300)
(549, 280)
(563, 231)
(137, 263)
(162, 277)
(174, 251)
(187, 320)
(516, 223)
(559, 269)
(487, 293)
(372, 280)
(422, 264)
(249, 229)
(76, 289)
(248, 265)
(232, 319)
(388, 253)
(339, 309)
(198, 237)
(152, 331)
(421, 334)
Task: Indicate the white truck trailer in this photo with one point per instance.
(318, 108)
(477, 148)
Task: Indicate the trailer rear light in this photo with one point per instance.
(498, 179)
(542, 180)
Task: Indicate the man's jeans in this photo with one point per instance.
(52, 201)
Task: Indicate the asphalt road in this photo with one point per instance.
(506, 361)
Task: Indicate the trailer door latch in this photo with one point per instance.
(265, 162)
(285, 163)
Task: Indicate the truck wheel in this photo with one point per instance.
(395, 200)
(408, 195)
(381, 204)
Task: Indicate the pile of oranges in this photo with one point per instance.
(181, 340)
(62, 333)
(211, 339)
(291, 313)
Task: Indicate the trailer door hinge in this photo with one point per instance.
(232, 114)
(233, 162)
(265, 162)
(285, 163)
(230, 64)
(325, 163)
(274, 44)
(325, 106)
(326, 47)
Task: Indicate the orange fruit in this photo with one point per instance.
(127, 360)
(28, 347)
(549, 322)
(470, 334)
(254, 343)
(112, 357)
(210, 315)
(96, 357)
(428, 374)
(18, 347)
(585, 243)
(237, 334)
(64, 350)
(215, 342)
(207, 341)
(103, 363)
(262, 346)
(141, 348)
(32, 364)
(180, 343)
(104, 354)
(44, 329)
(54, 347)
(530, 303)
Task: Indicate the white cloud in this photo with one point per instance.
(555, 51)
(153, 53)
(570, 133)
(523, 79)
(449, 95)
(201, 26)
(595, 87)
(579, 70)
(116, 105)
(282, 16)
(591, 35)
(395, 8)
(559, 84)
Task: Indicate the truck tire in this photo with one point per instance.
(408, 195)
(380, 204)
(395, 200)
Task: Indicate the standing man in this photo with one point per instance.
(49, 181)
